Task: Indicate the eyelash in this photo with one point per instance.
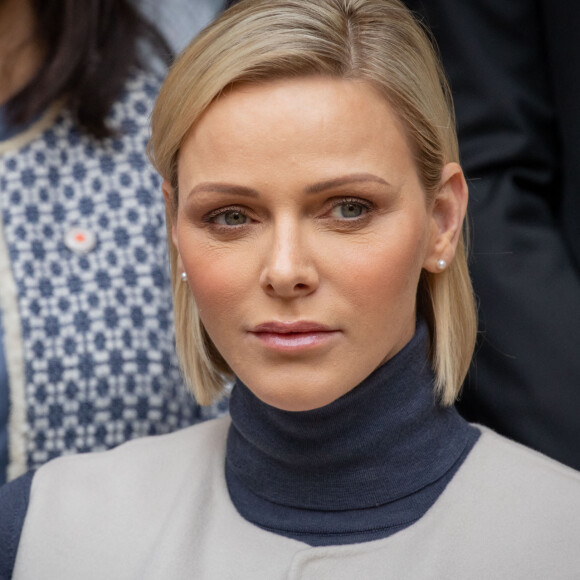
(211, 217)
(365, 205)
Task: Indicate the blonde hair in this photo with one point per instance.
(376, 41)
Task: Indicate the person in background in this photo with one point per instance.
(180, 20)
(87, 355)
(514, 69)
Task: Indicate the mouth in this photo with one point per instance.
(293, 336)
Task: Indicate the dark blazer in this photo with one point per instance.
(514, 68)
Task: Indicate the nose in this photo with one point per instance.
(288, 271)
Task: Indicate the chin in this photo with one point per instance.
(296, 401)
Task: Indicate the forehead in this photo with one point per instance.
(296, 123)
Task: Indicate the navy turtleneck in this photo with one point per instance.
(361, 468)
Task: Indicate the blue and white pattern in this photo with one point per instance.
(97, 325)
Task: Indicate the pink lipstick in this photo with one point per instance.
(293, 336)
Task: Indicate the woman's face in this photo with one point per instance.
(303, 230)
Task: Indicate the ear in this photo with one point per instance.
(447, 216)
(170, 209)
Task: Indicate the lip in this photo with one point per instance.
(300, 326)
(293, 336)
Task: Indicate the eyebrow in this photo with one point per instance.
(228, 188)
(346, 180)
(225, 188)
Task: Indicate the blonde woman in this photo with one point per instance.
(315, 211)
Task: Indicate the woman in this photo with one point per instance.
(315, 209)
(87, 358)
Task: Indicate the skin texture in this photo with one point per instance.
(299, 201)
(20, 54)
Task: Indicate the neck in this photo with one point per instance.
(382, 442)
(20, 52)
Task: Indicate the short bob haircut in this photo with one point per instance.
(375, 41)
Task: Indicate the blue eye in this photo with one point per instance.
(348, 210)
(232, 217)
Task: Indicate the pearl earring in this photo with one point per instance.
(183, 277)
(441, 264)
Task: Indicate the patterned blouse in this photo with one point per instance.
(84, 287)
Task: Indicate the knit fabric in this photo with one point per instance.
(12, 520)
(89, 333)
(361, 468)
(4, 407)
(159, 507)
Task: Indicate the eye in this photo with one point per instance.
(230, 217)
(348, 210)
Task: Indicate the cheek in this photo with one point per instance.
(382, 271)
(218, 281)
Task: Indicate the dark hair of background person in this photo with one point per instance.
(89, 48)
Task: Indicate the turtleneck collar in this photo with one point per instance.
(385, 440)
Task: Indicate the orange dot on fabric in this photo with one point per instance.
(80, 237)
